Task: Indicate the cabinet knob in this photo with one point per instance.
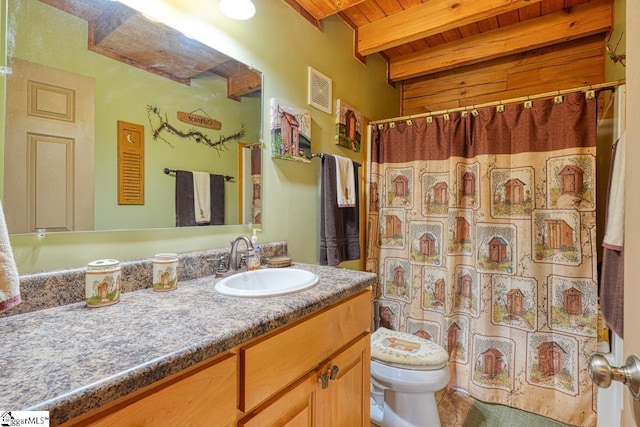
(334, 372)
(324, 380)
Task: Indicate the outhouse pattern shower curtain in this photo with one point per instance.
(482, 231)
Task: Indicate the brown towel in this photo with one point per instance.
(184, 200)
(339, 227)
(612, 278)
(612, 290)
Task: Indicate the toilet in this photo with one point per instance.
(406, 372)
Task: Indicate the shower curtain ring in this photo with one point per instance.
(528, 103)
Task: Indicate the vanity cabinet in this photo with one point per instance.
(335, 394)
(321, 363)
(344, 401)
(201, 396)
(314, 371)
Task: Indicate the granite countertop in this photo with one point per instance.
(72, 359)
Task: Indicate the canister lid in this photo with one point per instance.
(166, 256)
(104, 263)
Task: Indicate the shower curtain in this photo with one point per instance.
(482, 232)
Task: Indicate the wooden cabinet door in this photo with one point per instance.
(291, 408)
(345, 399)
(206, 396)
(269, 365)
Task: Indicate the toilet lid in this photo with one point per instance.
(400, 348)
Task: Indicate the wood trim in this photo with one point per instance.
(305, 14)
(504, 101)
(538, 71)
(428, 19)
(322, 9)
(581, 21)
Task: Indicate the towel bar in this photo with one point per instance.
(321, 155)
(170, 171)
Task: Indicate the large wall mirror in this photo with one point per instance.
(106, 110)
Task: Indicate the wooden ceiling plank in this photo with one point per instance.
(458, 81)
(549, 6)
(451, 35)
(550, 74)
(371, 10)
(406, 4)
(530, 12)
(508, 18)
(584, 20)
(433, 17)
(419, 45)
(572, 3)
(470, 30)
(458, 94)
(390, 6)
(508, 66)
(404, 49)
(488, 24)
(354, 17)
(321, 9)
(559, 54)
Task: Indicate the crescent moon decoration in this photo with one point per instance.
(193, 134)
(129, 139)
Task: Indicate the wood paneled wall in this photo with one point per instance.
(572, 64)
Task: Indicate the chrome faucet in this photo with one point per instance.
(234, 261)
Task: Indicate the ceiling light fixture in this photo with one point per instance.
(237, 9)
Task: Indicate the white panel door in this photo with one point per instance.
(49, 146)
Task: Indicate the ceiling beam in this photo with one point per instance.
(320, 9)
(304, 13)
(427, 19)
(558, 27)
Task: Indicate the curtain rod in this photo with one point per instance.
(505, 101)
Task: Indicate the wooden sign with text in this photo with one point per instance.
(202, 121)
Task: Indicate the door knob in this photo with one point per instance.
(602, 373)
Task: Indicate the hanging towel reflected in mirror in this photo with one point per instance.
(186, 196)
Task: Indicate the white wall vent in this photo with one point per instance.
(319, 91)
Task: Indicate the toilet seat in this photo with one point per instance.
(407, 351)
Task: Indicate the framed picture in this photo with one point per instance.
(290, 132)
(348, 126)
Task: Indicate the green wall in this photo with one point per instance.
(281, 44)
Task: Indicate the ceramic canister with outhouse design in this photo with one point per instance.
(165, 272)
(102, 282)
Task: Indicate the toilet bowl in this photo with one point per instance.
(406, 372)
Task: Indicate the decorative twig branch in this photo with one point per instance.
(194, 134)
(613, 51)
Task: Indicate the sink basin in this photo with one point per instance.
(267, 282)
